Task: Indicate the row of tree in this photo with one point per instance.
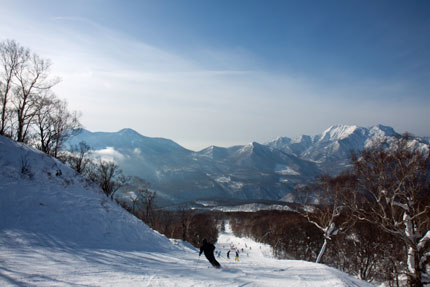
(30, 112)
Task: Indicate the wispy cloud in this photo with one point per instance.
(219, 97)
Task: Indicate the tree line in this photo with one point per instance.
(372, 221)
(365, 251)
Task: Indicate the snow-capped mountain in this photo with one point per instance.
(336, 142)
(267, 171)
(332, 148)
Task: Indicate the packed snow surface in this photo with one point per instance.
(56, 229)
(37, 266)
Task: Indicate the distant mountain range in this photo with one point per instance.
(268, 171)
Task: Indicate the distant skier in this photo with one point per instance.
(208, 249)
(228, 254)
(237, 256)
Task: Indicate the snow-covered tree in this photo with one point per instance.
(322, 205)
(392, 191)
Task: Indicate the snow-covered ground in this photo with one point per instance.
(58, 230)
(41, 266)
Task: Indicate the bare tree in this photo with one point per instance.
(27, 103)
(54, 123)
(184, 217)
(108, 176)
(149, 197)
(146, 197)
(43, 123)
(322, 205)
(64, 124)
(12, 56)
(392, 191)
(33, 80)
(135, 197)
(78, 157)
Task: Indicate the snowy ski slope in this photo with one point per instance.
(58, 230)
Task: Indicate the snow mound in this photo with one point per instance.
(45, 203)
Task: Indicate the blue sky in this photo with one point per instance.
(206, 72)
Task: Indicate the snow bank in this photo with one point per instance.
(45, 203)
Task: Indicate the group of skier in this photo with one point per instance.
(208, 249)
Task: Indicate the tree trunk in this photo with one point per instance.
(323, 247)
(3, 112)
(414, 271)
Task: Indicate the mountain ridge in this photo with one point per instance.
(267, 171)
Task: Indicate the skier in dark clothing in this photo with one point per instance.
(228, 254)
(237, 256)
(208, 249)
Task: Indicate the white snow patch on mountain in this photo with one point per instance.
(285, 170)
(223, 179)
(236, 185)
